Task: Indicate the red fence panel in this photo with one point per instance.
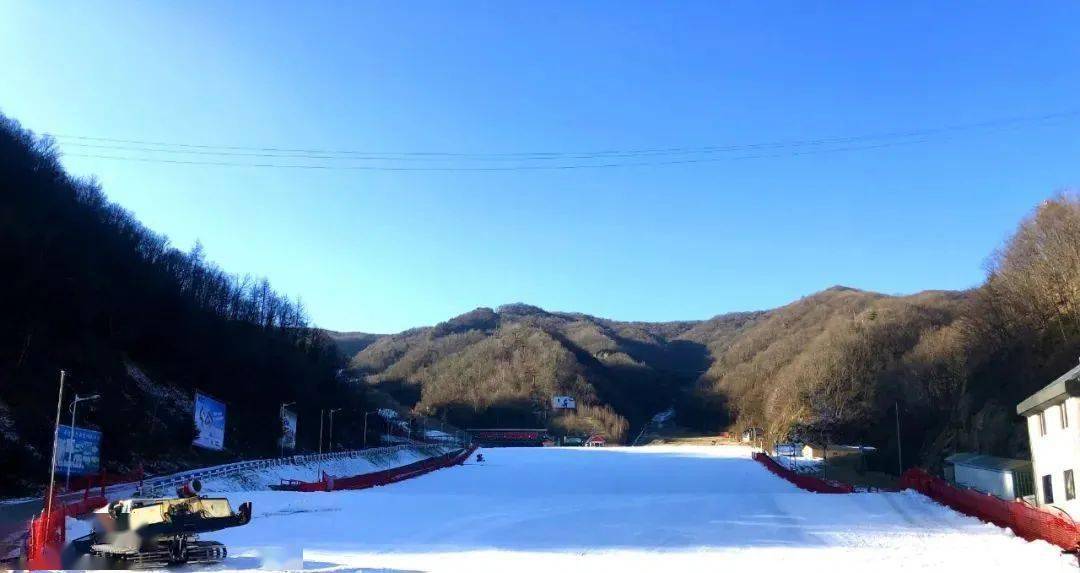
(381, 477)
(1026, 521)
(105, 479)
(808, 483)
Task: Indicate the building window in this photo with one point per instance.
(1064, 416)
(1042, 423)
(1070, 488)
(1048, 489)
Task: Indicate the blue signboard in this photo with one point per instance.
(79, 450)
(209, 423)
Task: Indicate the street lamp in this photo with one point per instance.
(332, 410)
(71, 435)
(281, 416)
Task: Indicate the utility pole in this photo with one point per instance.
(56, 435)
(71, 437)
(321, 411)
(899, 446)
(365, 428)
(322, 414)
(332, 410)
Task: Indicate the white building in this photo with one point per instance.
(1005, 478)
(751, 435)
(1053, 421)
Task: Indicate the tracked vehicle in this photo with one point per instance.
(156, 532)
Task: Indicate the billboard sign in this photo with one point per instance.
(563, 403)
(78, 450)
(209, 423)
(288, 429)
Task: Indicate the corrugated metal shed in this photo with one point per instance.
(986, 462)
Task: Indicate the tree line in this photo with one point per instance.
(88, 288)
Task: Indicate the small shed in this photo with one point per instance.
(1005, 478)
(595, 441)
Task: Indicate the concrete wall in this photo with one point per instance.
(1057, 451)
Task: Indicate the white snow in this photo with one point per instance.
(76, 528)
(663, 508)
(664, 416)
(799, 464)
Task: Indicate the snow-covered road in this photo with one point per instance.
(618, 509)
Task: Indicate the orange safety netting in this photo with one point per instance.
(1025, 520)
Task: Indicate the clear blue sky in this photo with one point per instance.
(384, 251)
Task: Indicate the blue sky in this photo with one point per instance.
(382, 251)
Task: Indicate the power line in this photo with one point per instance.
(330, 154)
(532, 167)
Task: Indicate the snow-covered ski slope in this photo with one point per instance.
(619, 509)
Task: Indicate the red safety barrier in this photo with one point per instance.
(46, 539)
(382, 477)
(105, 479)
(47, 531)
(1026, 521)
(808, 483)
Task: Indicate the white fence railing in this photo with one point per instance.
(234, 468)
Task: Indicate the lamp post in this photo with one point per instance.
(332, 410)
(281, 416)
(71, 436)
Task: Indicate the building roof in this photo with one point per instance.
(986, 462)
(1068, 384)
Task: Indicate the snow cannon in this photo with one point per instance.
(157, 532)
(189, 488)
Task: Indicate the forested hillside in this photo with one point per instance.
(349, 343)
(837, 365)
(501, 368)
(88, 289)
